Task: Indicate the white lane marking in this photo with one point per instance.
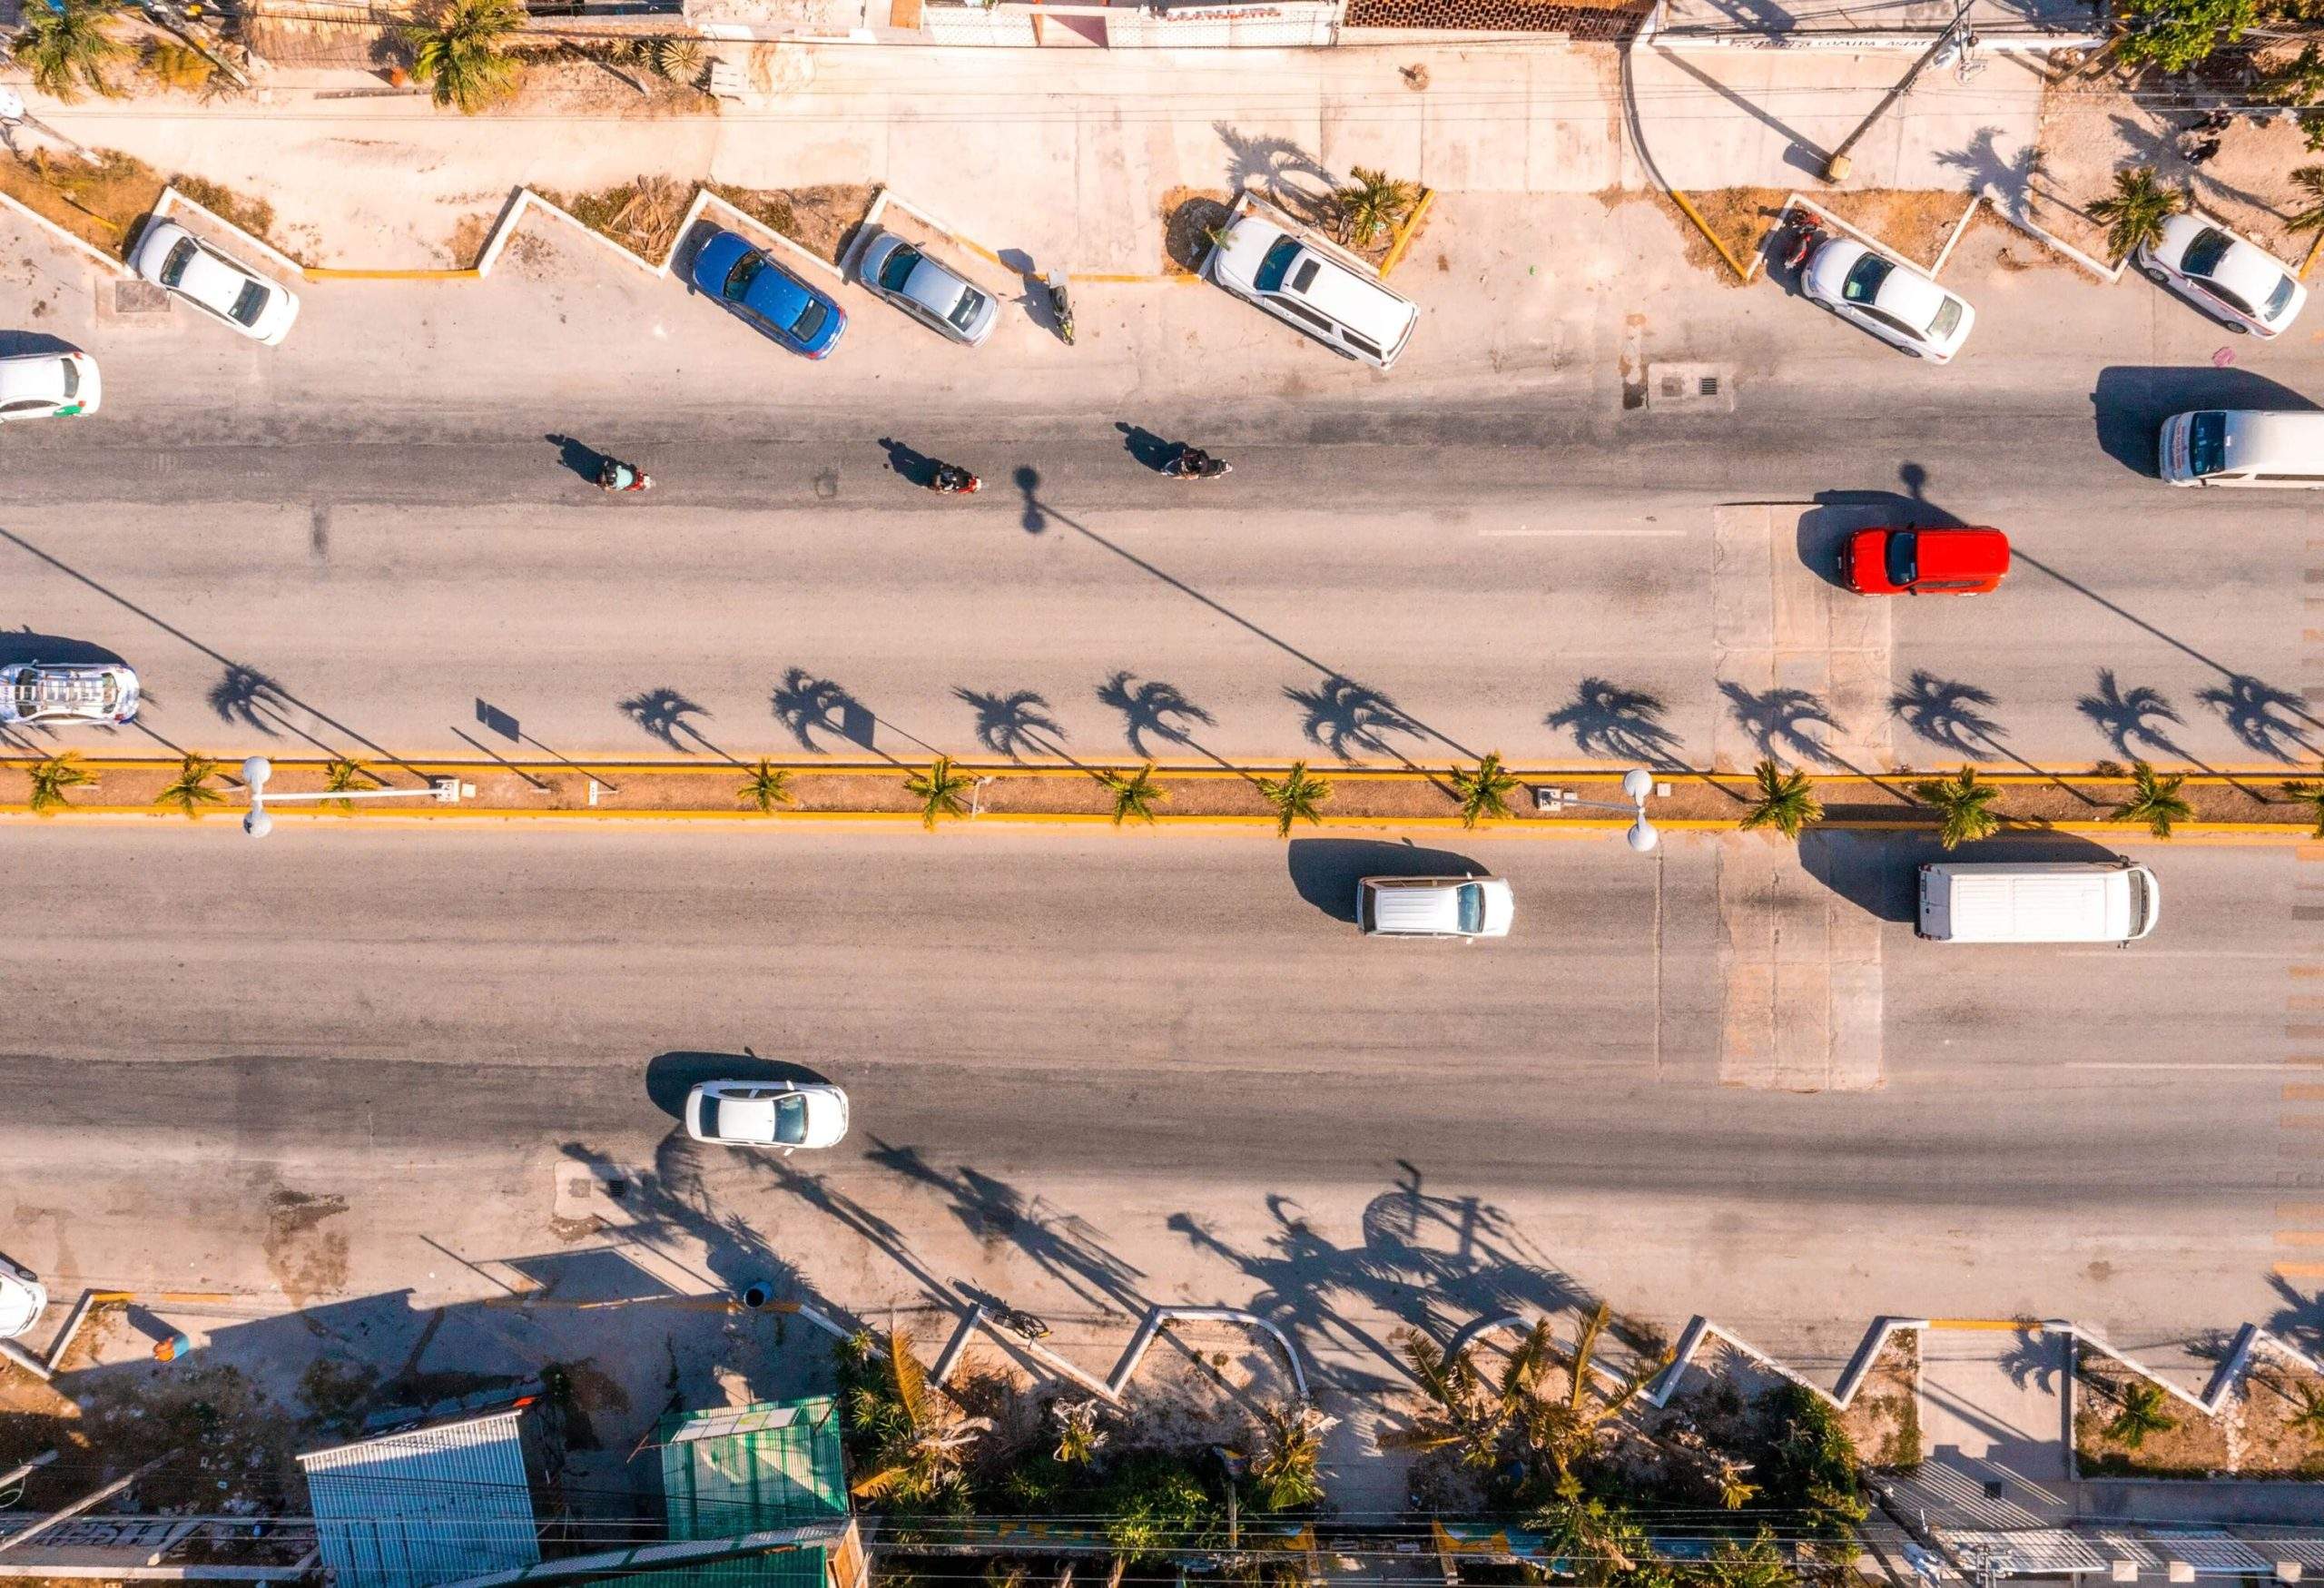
(1536, 533)
(2182, 953)
(2276, 1068)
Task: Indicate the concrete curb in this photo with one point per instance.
(110, 265)
(1149, 1329)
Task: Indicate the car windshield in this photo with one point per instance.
(810, 321)
(710, 1118)
(174, 267)
(1903, 557)
(2203, 254)
(791, 1119)
(965, 311)
(2206, 444)
(2279, 299)
(1948, 315)
(1863, 283)
(738, 280)
(1472, 908)
(249, 303)
(897, 269)
(1276, 264)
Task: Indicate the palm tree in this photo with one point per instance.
(1786, 800)
(460, 48)
(175, 65)
(69, 46)
(769, 786)
(1290, 1445)
(2310, 181)
(940, 791)
(1961, 800)
(2309, 1418)
(341, 777)
(2310, 794)
(2141, 1415)
(1459, 1416)
(53, 776)
(1371, 203)
(1079, 1437)
(1566, 1430)
(1299, 797)
(192, 789)
(1134, 793)
(1484, 792)
(922, 1443)
(1597, 1544)
(2135, 211)
(1758, 1564)
(2154, 799)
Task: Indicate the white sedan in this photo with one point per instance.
(48, 386)
(2220, 273)
(781, 1114)
(1898, 305)
(260, 309)
(23, 1299)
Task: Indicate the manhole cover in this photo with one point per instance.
(140, 298)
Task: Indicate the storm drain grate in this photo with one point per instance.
(1690, 388)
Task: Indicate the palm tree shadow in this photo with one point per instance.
(1155, 709)
(2127, 717)
(1342, 715)
(1010, 724)
(1777, 721)
(2261, 716)
(1621, 725)
(1950, 714)
(1279, 169)
(667, 715)
(808, 706)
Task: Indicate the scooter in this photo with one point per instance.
(951, 479)
(613, 475)
(1193, 463)
(1060, 306)
(1806, 233)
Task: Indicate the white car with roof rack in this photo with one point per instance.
(174, 258)
(1307, 284)
(2238, 283)
(67, 692)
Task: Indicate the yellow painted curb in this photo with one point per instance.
(1405, 232)
(1710, 236)
(321, 273)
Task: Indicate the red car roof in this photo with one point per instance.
(1962, 554)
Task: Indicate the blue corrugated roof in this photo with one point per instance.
(425, 1506)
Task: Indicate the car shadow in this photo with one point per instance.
(1326, 870)
(669, 1077)
(23, 645)
(20, 344)
(2130, 402)
(1825, 528)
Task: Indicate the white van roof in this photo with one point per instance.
(2281, 442)
(2065, 902)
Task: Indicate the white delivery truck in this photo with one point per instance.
(2103, 901)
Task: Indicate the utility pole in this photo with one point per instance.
(1836, 167)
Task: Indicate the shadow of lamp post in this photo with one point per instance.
(1637, 785)
(258, 769)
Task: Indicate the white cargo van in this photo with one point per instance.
(1470, 907)
(2102, 901)
(2240, 445)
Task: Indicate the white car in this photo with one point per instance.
(23, 1298)
(258, 308)
(1896, 304)
(783, 1114)
(2234, 282)
(67, 692)
(48, 386)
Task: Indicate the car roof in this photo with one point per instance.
(1361, 306)
(30, 375)
(2246, 271)
(778, 295)
(1950, 553)
(212, 279)
(1911, 297)
(2272, 437)
(932, 285)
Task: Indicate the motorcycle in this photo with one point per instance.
(951, 479)
(1193, 463)
(613, 475)
(1808, 231)
(1061, 305)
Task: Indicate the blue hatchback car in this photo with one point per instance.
(767, 296)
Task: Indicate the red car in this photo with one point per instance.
(1924, 562)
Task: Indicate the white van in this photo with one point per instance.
(1306, 283)
(2102, 901)
(1468, 907)
(2241, 445)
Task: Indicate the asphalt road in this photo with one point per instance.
(1173, 1049)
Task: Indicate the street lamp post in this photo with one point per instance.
(1636, 784)
(258, 769)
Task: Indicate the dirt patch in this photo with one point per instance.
(465, 247)
(255, 216)
(306, 1259)
(1189, 217)
(2191, 1447)
(1912, 223)
(1740, 217)
(641, 215)
(1884, 1416)
(822, 220)
(230, 1445)
(102, 203)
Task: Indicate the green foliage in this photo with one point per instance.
(2310, 181)
(1134, 793)
(1284, 1464)
(1298, 797)
(1079, 1436)
(343, 776)
(1154, 1503)
(769, 786)
(1758, 1564)
(2135, 211)
(2175, 34)
(1484, 792)
(1371, 203)
(53, 776)
(192, 789)
(2309, 1418)
(462, 48)
(68, 50)
(1961, 799)
(180, 66)
(1786, 800)
(2140, 1415)
(2156, 801)
(1813, 1467)
(2310, 794)
(920, 1442)
(678, 59)
(940, 790)
(1600, 1542)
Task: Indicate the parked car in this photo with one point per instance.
(1470, 907)
(1307, 286)
(48, 386)
(2089, 900)
(66, 692)
(2243, 447)
(781, 1114)
(23, 1298)
(1894, 302)
(258, 308)
(927, 289)
(767, 296)
(2234, 282)
(1925, 562)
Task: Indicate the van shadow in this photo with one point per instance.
(669, 1077)
(1326, 870)
(1825, 528)
(1879, 872)
(2131, 401)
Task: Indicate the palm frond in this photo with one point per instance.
(1134, 793)
(1786, 800)
(769, 786)
(2154, 800)
(52, 777)
(191, 789)
(1298, 797)
(1961, 800)
(940, 790)
(1484, 792)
